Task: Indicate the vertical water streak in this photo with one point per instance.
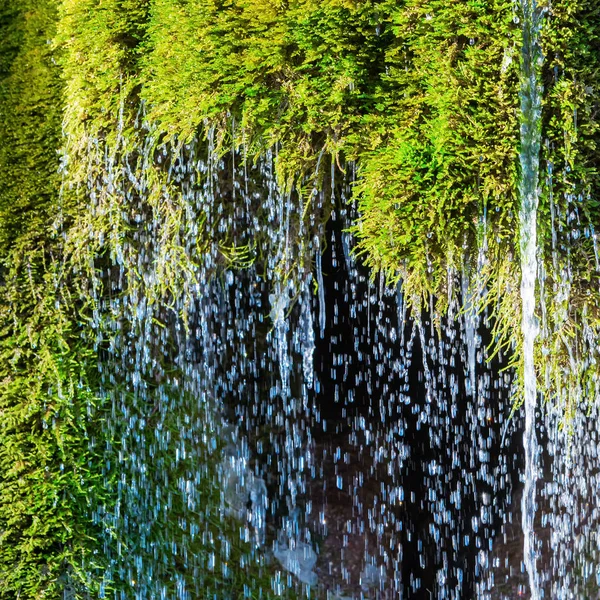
(530, 97)
(470, 322)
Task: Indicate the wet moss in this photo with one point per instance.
(420, 96)
(46, 483)
(443, 146)
(30, 96)
(569, 210)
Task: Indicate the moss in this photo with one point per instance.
(570, 209)
(29, 121)
(443, 146)
(421, 96)
(46, 485)
(424, 97)
(360, 81)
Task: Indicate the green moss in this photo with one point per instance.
(29, 121)
(423, 96)
(443, 146)
(570, 208)
(46, 484)
(420, 95)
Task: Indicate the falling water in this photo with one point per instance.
(287, 403)
(528, 189)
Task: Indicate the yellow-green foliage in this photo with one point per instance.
(101, 40)
(46, 484)
(298, 74)
(422, 95)
(29, 121)
(301, 74)
(570, 204)
(444, 146)
(571, 40)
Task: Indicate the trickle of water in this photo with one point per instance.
(530, 96)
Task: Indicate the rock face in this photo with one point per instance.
(506, 578)
(299, 560)
(241, 487)
(353, 527)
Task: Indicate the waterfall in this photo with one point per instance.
(530, 96)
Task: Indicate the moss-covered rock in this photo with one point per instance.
(569, 210)
(280, 99)
(440, 153)
(46, 483)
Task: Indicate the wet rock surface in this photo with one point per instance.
(356, 528)
(506, 579)
(358, 533)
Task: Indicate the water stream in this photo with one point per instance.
(529, 195)
(357, 447)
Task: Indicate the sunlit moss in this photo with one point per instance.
(420, 96)
(46, 484)
(570, 210)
